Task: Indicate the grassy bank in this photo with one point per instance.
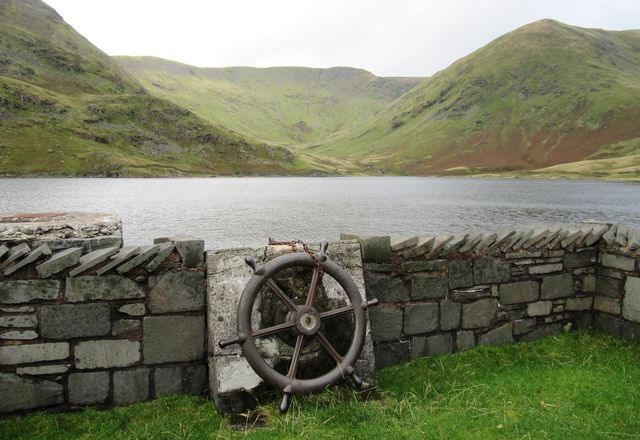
(580, 385)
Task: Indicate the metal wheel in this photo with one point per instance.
(303, 320)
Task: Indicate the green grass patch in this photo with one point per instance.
(578, 385)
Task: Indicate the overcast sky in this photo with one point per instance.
(388, 38)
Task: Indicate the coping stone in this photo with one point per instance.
(93, 259)
(123, 255)
(16, 252)
(34, 255)
(377, 249)
(402, 243)
(144, 254)
(165, 250)
(191, 250)
(59, 262)
(453, 245)
(422, 247)
(470, 243)
(3, 251)
(439, 244)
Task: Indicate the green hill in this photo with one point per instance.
(281, 105)
(544, 94)
(66, 108)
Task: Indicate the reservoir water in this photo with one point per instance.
(230, 212)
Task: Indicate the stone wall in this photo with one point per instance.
(99, 327)
(449, 293)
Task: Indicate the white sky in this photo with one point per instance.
(388, 38)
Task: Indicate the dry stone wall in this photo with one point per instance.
(81, 326)
(450, 293)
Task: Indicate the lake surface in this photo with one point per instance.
(229, 212)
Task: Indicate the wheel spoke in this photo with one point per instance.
(336, 312)
(283, 296)
(312, 287)
(295, 357)
(264, 332)
(327, 346)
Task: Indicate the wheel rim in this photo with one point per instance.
(343, 364)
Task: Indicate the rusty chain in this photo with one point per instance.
(305, 247)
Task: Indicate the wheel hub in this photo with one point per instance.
(308, 321)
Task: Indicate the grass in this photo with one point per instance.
(572, 386)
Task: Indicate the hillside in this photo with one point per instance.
(66, 108)
(282, 105)
(544, 94)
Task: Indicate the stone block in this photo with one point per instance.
(490, 270)
(136, 309)
(385, 288)
(18, 321)
(521, 326)
(479, 313)
(386, 323)
(608, 287)
(130, 386)
(540, 308)
(59, 262)
(607, 305)
(19, 393)
(88, 388)
(107, 287)
(460, 273)
(423, 246)
(545, 268)
(497, 336)
(465, 340)
(557, 286)
(618, 262)
(424, 266)
(177, 292)
(392, 353)
(173, 339)
(43, 369)
(542, 332)
(449, 315)
(123, 326)
(20, 335)
(107, 353)
(181, 379)
(3, 251)
(191, 251)
(441, 343)
(580, 259)
(429, 287)
(65, 321)
(30, 353)
(23, 291)
(631, 301)
(420, 318)
(520, 292)
(579, 303)
(588, 284)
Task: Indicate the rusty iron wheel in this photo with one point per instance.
(304, 319)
